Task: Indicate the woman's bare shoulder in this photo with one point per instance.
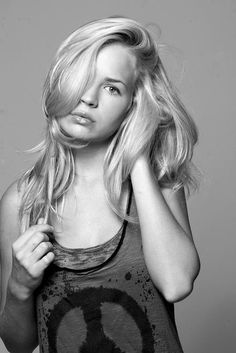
(9, 210)
(11, 194)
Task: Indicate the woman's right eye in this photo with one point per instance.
(112, 89)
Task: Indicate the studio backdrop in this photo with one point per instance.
(199, 53)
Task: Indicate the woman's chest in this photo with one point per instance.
(87, 220)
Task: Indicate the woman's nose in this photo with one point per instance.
(90, 97)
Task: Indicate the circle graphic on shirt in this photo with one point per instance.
(67, 334)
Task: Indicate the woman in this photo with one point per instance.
(96, 244)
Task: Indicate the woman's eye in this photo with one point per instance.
(112, 90)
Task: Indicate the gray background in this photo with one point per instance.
(201, 59)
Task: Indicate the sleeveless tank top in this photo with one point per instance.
(101, 299)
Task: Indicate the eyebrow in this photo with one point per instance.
(110, 79)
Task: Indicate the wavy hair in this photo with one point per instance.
(157, 122)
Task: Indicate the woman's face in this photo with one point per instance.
(104, 104)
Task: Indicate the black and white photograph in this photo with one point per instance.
(117, 172)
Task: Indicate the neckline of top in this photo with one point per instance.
(90, 248)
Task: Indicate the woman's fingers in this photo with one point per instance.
(36, 239)
(32, 254)
(42, 249)
(33, 230)
(42, 264)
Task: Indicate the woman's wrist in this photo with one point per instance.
(17, 291)
(140, 163)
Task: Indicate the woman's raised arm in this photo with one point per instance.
(169, 250)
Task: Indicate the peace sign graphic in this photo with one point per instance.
(90, 302)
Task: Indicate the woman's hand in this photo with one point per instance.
(31, 255)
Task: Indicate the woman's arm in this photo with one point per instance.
(17, 320)
(170, 255)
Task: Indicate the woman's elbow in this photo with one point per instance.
(177, 294)
(181, 289)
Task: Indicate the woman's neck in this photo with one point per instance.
(89, 162)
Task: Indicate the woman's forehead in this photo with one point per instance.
(117, 61)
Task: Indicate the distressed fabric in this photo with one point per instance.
(110, 306)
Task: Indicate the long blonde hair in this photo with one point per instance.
(157, 121)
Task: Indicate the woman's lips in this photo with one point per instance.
(82, 119)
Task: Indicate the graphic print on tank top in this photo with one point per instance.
(115, 308)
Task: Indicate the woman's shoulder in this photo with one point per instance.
(9, 210)
(11, 198)
(11, 193)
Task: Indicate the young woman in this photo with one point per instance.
(96, 244)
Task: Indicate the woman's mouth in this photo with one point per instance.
(82, 119)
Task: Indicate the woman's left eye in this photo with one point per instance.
(112, 90)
